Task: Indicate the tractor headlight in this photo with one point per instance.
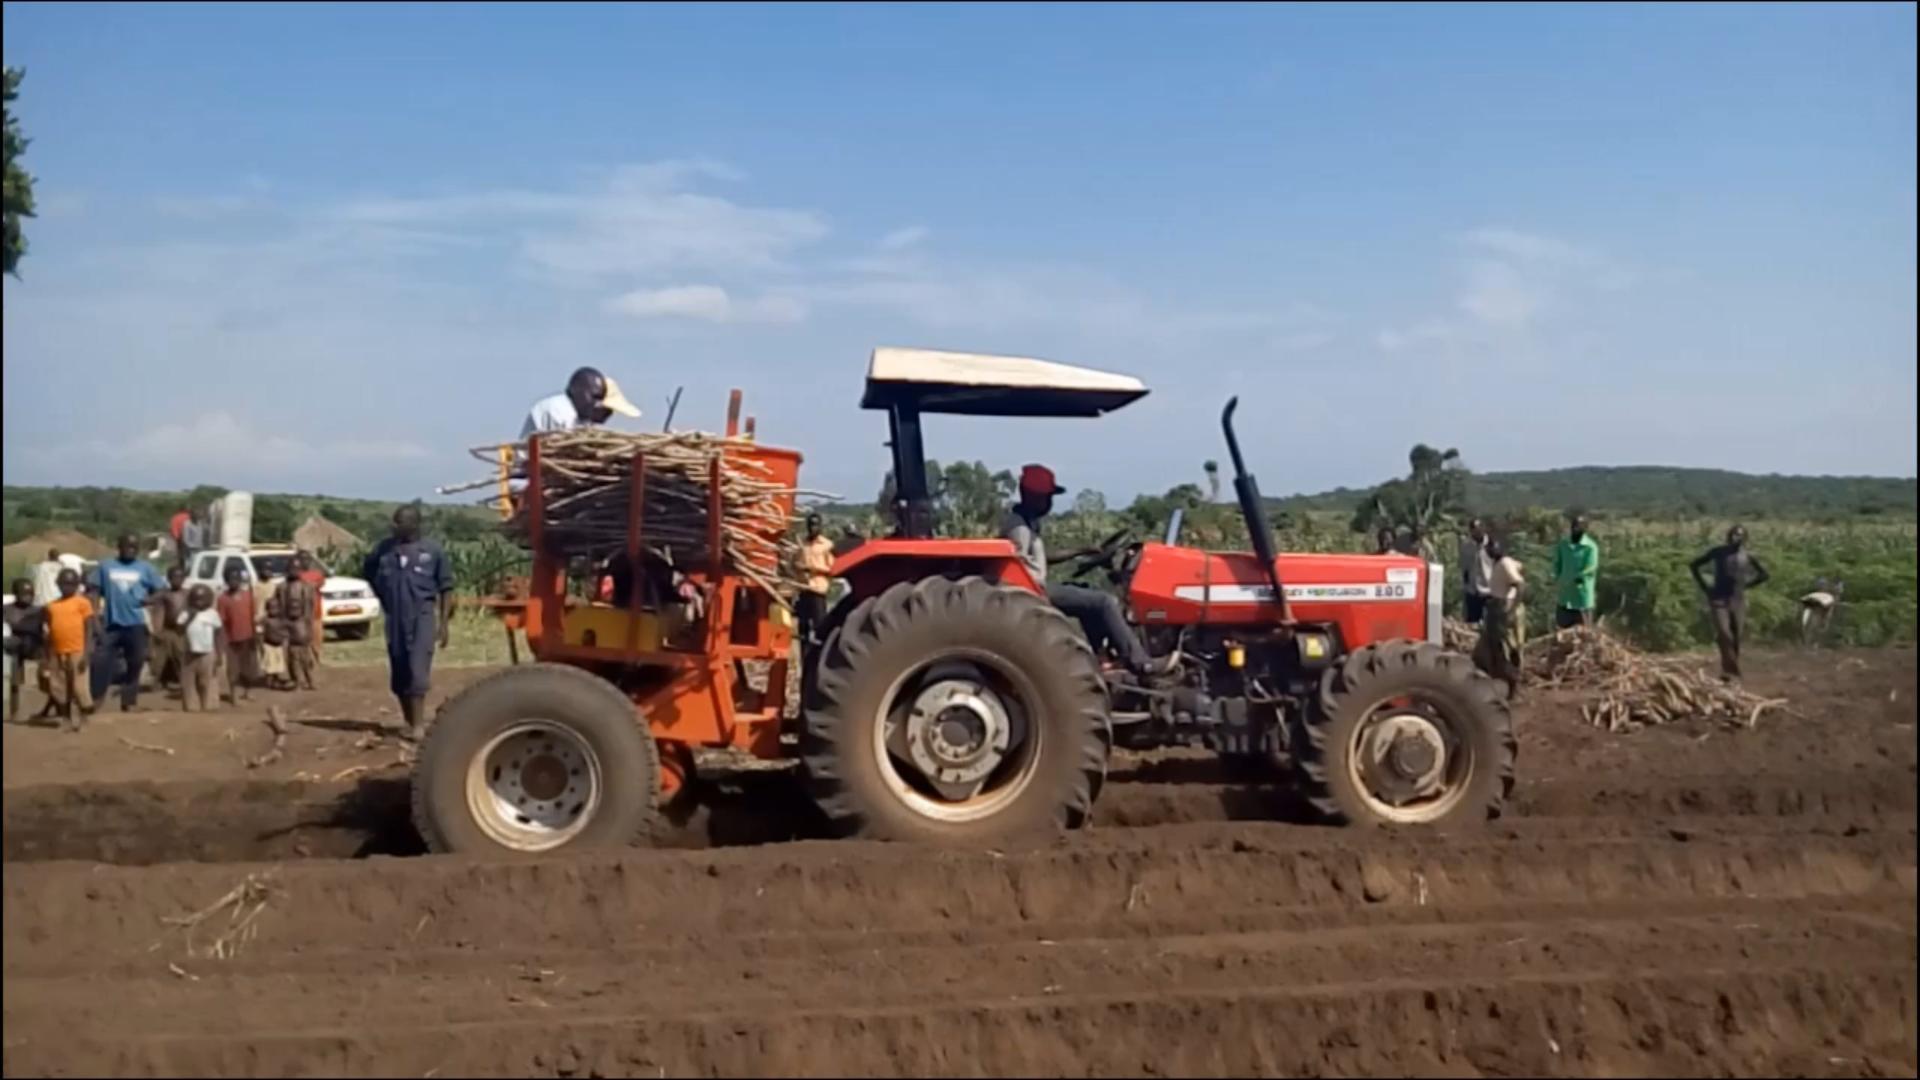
(1315, 648)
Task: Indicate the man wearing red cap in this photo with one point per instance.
(1098, 612)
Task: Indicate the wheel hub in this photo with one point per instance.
(956, 734)
(534, 786)
(1406, 757)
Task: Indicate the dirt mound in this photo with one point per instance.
(34, 548)
(1128, 952)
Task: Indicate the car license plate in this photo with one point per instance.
(344, 609)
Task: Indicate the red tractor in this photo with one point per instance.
(948, 699)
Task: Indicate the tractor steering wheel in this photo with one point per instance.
(1104, 556)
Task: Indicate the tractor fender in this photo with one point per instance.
(878, 564)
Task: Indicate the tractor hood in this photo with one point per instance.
(976, 384)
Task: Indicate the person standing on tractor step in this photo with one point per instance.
(590, 398)
(69, 627)
(127, 582)
(411, 578)
(1097, 612)
(168, 639)
(1735, 570)
(810, 607)
(1576, 563)
(1476, 567)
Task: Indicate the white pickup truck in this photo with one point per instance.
(347, 604)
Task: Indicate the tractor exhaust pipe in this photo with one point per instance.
(1247, 490)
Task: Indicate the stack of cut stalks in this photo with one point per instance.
(1632, 689)
(587, 479)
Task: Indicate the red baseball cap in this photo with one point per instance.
(1039, 480)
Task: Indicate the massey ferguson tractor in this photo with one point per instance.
(948, 701)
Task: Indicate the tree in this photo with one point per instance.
(1430, 498)
(19, 184)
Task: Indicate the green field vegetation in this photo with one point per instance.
(1804, 530)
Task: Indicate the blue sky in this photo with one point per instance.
(327, 248)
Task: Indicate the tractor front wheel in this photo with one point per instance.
(1407, 733)
(533, 760)
(955, 711)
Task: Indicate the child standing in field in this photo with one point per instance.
(273, 638)
(297, 598)
(168, 605)
(237, 620)
(205, 639)
(70, 625)
(26, 631)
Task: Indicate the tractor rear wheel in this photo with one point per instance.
(536, 759)
(1407, 733)
(955, 710)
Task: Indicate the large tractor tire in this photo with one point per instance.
(1406, 734)
(955, 711)
(533, 760)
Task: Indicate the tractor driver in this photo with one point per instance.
(1098, 612)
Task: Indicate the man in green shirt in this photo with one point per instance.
(1576, 561)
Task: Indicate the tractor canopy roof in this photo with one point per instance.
(975, 384)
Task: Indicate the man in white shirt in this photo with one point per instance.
(590, 398)
(46, 576)
(1503, 633)
(1476, 567)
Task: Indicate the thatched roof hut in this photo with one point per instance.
(318, 534)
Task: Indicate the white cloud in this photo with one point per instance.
(641, 219)
(1302, 341)
(1511, 281)
(219, 443)
(900, 239)
(1431, 332)
(1529, 247)
(707, 303)
(1499, 294)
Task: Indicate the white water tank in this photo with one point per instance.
(230, 520)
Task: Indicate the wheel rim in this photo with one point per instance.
(534, 786)
(953, 737)
(1411, 760)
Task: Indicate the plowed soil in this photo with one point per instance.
(1686, 901)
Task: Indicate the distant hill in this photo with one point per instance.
(104, 513)
(1664, 491)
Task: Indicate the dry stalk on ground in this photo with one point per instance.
(277, 722)
(243, 905)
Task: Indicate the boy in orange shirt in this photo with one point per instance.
(69, 628)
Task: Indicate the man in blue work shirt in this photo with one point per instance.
(127, 584)
(415, 586)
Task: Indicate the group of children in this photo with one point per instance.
(263, 638)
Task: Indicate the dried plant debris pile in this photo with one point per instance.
(1633, 689)
(587, 477)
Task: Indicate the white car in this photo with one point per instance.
(347, 604)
